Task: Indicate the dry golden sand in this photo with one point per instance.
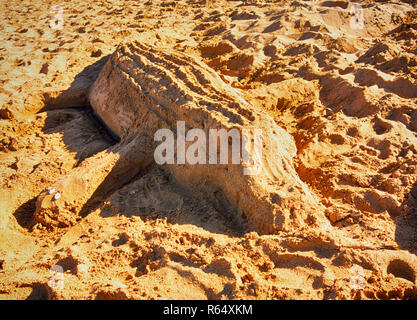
(345, 92)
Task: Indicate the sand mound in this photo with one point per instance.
(330, 215)
(162, 88)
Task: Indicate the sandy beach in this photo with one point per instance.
(85, 213)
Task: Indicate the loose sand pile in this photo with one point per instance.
(333, 214)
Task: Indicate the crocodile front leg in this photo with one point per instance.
(61, 204)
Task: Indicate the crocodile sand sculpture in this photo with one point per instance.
(142, 89)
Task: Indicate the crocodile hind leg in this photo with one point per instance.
(61, 204)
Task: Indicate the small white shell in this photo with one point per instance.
(57, 196)
(51, 190)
